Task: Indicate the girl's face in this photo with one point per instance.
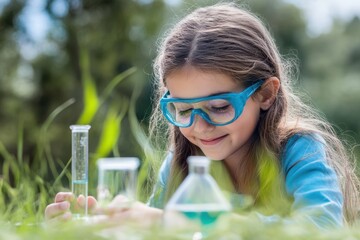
(216, 142)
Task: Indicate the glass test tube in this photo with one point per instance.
(79, 167)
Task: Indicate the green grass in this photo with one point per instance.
(226, 228)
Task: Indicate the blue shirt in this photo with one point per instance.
(309, 180)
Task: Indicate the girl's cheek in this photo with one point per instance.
(186, 132)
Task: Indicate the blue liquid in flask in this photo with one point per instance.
(198, 200)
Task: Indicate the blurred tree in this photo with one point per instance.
(10, 68)
(118, 34)
(332, 74)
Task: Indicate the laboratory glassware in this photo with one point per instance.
(198, 201)
(117, 176)
(79, 169)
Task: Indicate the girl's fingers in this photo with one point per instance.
(92, 202)
(119, 204)
(81, 201)
(55, 209)
(60, 209)
(109, 210)
(119, 201)
(64, 196)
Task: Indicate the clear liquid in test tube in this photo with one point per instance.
(79, 168)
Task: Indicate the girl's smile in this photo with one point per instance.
(212, 141)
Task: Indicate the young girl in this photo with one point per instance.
(226, 94)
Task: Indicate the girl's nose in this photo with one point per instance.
(200, 125)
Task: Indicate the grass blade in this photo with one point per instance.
(114, 82)
(91, 100)
(111, 129)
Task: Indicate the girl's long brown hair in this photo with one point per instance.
(232, 41)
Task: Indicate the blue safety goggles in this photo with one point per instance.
(218, 110)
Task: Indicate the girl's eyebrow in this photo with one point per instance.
(211, 95)
(219, 93)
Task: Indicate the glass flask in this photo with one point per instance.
(198, 201)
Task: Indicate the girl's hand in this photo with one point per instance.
(119, 211)
(60, 209)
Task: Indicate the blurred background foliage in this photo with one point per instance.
(98, 52)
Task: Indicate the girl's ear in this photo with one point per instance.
(268, 92)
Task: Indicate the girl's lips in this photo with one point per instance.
(212, 141)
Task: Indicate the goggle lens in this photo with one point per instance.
(218, 111)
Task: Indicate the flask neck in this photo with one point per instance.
(199, 169)
(198, 164)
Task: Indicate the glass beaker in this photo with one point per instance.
(198, 202)
(117, 176)
(79, 167)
